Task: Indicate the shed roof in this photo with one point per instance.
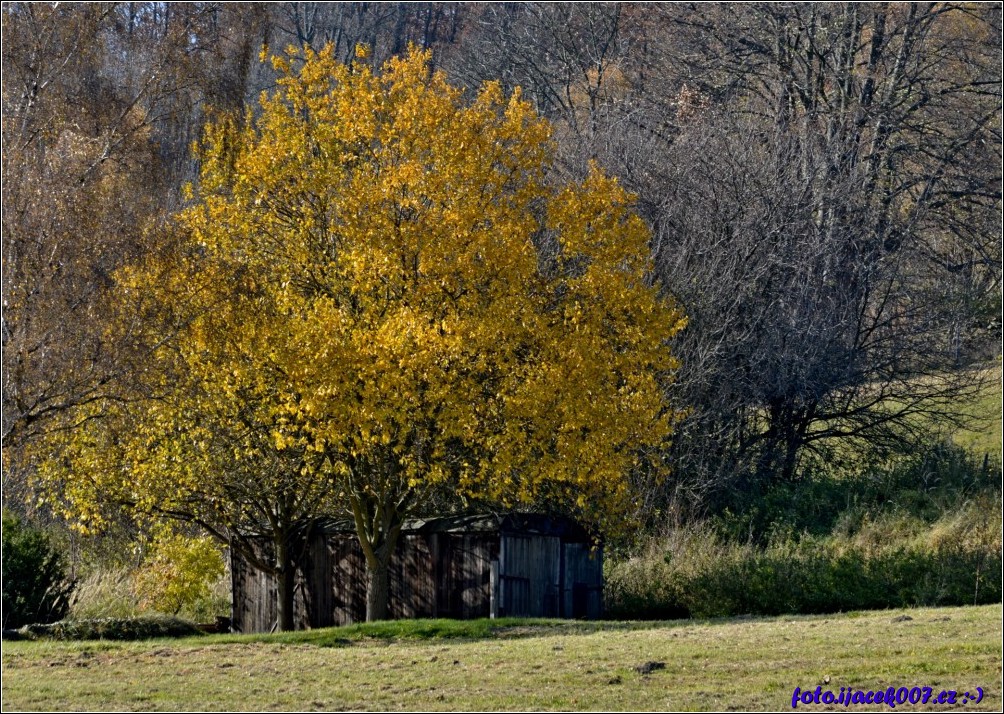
(509, 524)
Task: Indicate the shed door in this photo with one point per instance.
(582, 585)
(530, 576)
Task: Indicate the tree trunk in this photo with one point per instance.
(378, 526)
(377, 588)
(286, 581)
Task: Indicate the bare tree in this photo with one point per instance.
(386, 28)
(101, 103)
(827, 223)
(823, 183)
(73, 152)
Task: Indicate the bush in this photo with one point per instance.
(35, 586)
(178, 574)
(112, 628)
(694, 573)
(927, 484)
(877, 531)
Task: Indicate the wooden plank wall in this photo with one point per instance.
(413, 576)
(432, 575)
(254, 601)
(315, 593)
(255, 605)
(464, 573)
(412, 579)
(348, 579)
(530, 575)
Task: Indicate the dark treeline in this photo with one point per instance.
(822, 181)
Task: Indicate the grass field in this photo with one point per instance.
(438, 665)
(986, 437)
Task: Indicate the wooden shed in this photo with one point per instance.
(519, 565)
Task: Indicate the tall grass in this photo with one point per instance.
(890, 562)
(112, 593)
(105, 592)
(925, 530)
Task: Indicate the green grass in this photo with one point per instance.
(985, 438)
(750, 663)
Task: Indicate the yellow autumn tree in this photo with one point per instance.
(377, 292)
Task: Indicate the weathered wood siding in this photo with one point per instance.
(347, 579)
(582, 581)
(412, 579)
(256, 595)
(433, 574)
(254, 603)
(530, 574)
(463, 568)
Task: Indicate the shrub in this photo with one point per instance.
(35, 586)
(112, 628)
(694, 573)
(178, 573)
(925, 484)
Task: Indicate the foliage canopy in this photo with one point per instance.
(376, 293)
